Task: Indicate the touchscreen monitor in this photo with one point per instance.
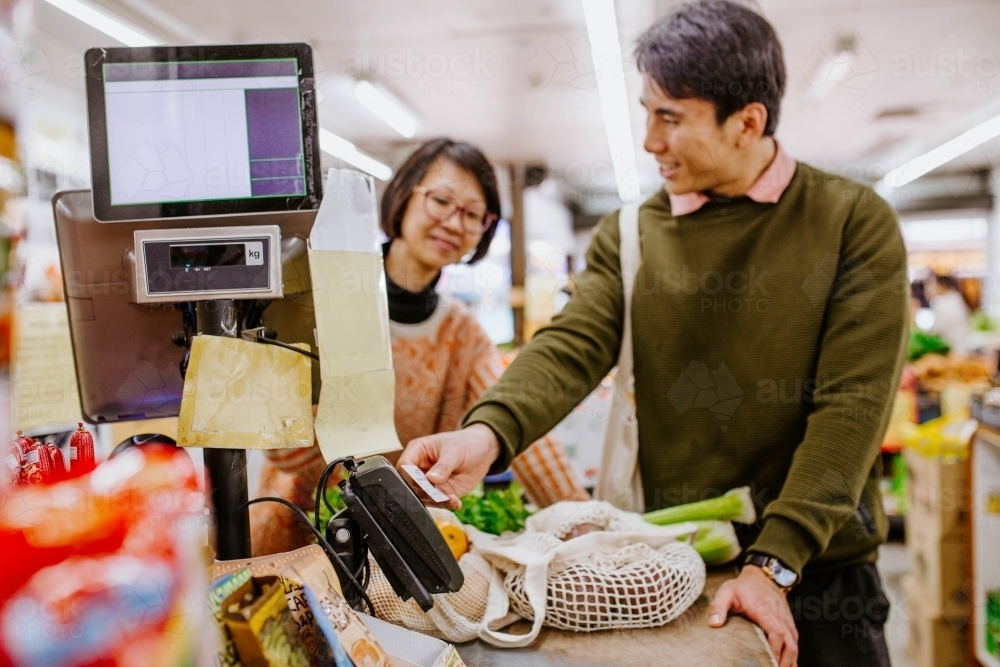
(207, 130)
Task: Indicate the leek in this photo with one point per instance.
(736, 505)
(716, 542)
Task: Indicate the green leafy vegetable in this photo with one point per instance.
(333, 495)
(495, 511)
(735, 505)
(716, 542)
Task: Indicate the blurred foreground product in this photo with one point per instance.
(104, 569)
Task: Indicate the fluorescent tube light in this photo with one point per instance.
(105, 22)
(602, 31)
(343, 149)
(946, 152)
(386, 107)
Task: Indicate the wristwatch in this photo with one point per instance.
(775, 570)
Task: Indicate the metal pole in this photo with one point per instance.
(226, 469)
(518, 250)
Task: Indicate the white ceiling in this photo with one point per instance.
(533, 95)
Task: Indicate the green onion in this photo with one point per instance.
(736, 505)
(716, 542)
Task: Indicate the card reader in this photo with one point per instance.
(398, 530)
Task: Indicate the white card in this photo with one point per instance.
(417, 475)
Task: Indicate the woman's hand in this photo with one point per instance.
(454, 461)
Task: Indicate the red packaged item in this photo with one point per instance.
(57, 469)
(44, 462)
(81, 451)
(31, 471)
(19, 447)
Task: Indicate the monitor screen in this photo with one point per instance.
(202, 131)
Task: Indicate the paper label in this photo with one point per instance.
(245, 395)
(418, 477)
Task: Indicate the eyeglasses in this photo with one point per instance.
(438, 205)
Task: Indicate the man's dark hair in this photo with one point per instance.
(718, 51)
(464, 156)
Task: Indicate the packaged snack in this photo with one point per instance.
(221, 589)
(308, 566)
(341, 625)
(261, 626)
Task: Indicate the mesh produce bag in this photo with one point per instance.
(455, 617)
(625, 574)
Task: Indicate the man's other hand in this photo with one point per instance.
(755, 596)
(454, 461)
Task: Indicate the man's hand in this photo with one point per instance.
(454, 461)
(754, 595)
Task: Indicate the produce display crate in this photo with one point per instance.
(985, 525)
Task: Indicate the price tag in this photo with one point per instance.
(418, 478)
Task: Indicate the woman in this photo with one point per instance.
(441, 206)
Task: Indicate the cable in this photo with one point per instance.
(268, 341)
(333, 555)
(324, 479)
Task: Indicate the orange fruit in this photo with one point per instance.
(454, 537)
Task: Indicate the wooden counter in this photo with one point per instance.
(687, 641)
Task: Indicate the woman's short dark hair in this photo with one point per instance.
(718, 51)
(464, 156)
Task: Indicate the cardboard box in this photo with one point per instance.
(938, 493)
(933, 642)
(940, 566)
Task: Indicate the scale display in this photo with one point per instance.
(208, 255)
(210, 263)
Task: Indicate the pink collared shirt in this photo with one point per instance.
(767, 189)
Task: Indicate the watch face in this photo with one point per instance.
(782, 576)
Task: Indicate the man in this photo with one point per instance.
(769, 315)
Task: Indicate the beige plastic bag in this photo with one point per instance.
(246, 396)
(620, 481)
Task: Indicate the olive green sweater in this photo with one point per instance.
(768, 343)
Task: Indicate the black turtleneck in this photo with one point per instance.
(408, 307)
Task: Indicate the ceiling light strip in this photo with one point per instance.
(944, 153)
(387, 108)
(344, 150)
(602, 31)
(107, 23)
